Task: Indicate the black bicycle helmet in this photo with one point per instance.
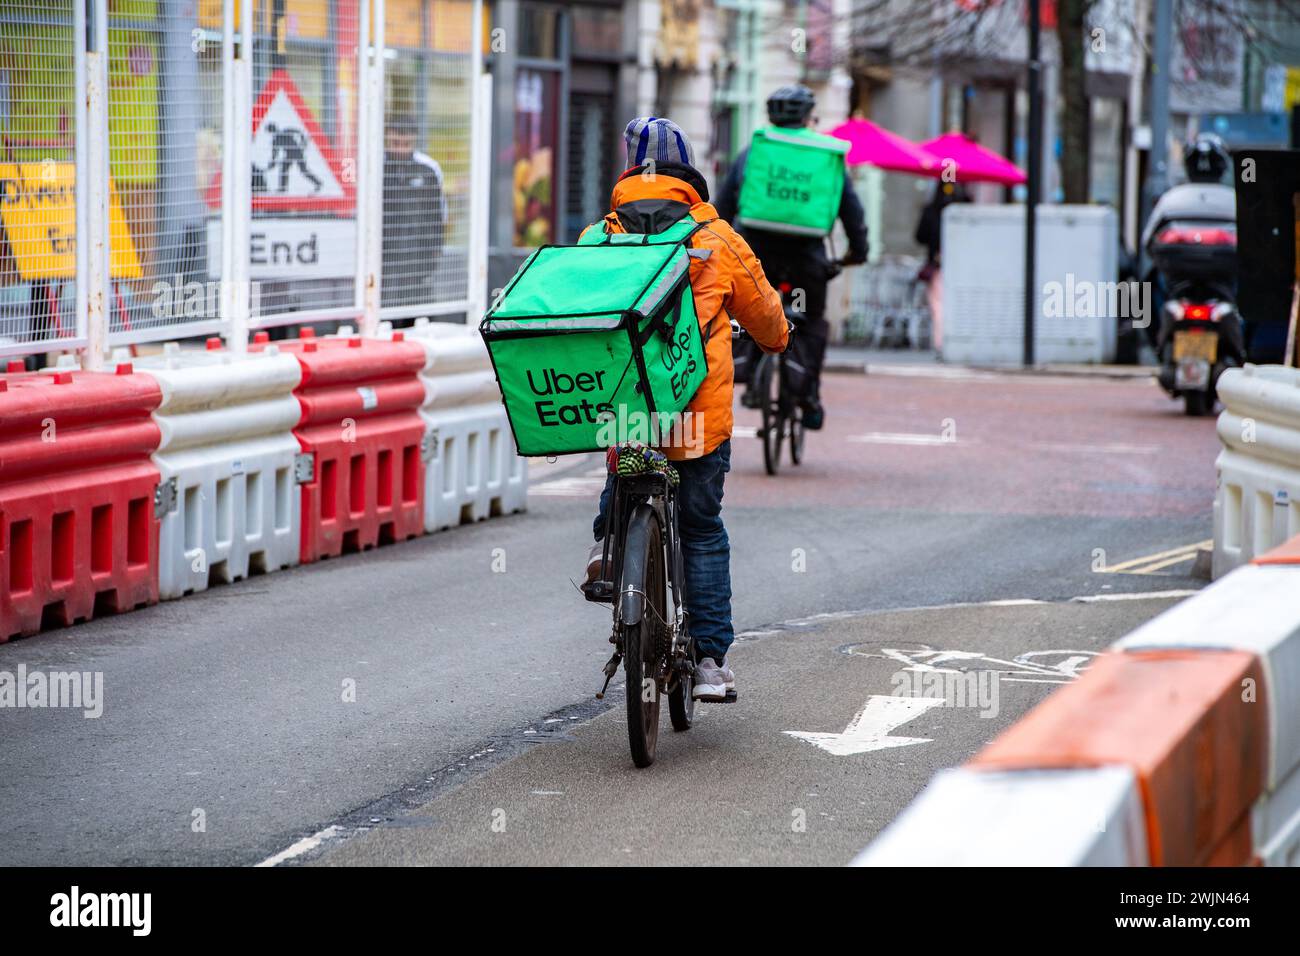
(790, 105)
(1206, 159)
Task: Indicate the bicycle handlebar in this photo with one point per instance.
(739, 332)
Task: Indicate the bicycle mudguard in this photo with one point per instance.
(636, 557)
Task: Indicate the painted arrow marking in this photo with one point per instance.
(869, 729)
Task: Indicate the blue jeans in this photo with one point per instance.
(706, 550)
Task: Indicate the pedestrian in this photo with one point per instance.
(929, 233)
(415, 217)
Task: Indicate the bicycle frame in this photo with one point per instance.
(640, 498)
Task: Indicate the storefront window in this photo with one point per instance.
(536, 134)
(539, 32)
(598, 32)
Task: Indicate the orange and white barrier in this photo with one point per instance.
(1195, 716)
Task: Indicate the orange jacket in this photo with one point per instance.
(728, 280)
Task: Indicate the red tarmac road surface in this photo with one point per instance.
(1023, 444)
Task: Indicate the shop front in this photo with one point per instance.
(564, 81)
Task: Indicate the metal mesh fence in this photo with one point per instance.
(165, 115)
(303, 153)
(428, 72)
(887, 304)
(164, 140)
(37, 173)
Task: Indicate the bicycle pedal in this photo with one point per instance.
(729, 698)
(599, 592)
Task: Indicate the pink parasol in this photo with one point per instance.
(877, 146)
(971, 162)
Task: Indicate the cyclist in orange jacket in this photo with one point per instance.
(660, 186)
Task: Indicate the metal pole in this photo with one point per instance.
(96, 184)
(370, 170)
(80, 128)
(480, 138)
(1158, 158)
(240, 184)
(228, 132)
(1034, 188)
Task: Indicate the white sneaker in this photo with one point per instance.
(594, 568)
(728, 675)
(710, 681)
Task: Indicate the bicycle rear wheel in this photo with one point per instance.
(768, 381)
(681, 703)
(796, 435)
(642, 651)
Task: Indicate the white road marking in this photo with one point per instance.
(1142, 595)
(744, 431)
(900, 438)
(869, 729)
(582, 487)
(1104, 449)
(1048, 670)
(305, 845)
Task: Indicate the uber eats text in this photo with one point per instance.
(788, 185)
(575, 397)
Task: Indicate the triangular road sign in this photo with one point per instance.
(294, 166)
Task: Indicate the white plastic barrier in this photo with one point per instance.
(966, 817)
(1257, 504)
(1254, 609)
(228, 502)
(473, 471)
(984, 279)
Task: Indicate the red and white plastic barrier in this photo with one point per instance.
(1197, 716)
(360, 425)
(78, 530)
(205, 466)
(229, 501)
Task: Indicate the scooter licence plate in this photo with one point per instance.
(1196, 345)
(1192, 374)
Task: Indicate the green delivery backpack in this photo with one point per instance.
(793, 182)
(598, 342)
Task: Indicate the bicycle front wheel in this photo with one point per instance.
(642, 651)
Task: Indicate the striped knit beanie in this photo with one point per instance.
(650, 138)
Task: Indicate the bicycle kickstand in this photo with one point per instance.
(611, 668)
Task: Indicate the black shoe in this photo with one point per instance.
(813, 416)
(749, 398)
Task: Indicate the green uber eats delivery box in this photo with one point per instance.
(793, 182)
(595, 337)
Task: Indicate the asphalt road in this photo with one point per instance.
(390, 699)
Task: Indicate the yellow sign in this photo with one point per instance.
(38, 208)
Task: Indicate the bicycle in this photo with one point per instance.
(650, 635)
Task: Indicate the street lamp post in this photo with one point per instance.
(1034, 137)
